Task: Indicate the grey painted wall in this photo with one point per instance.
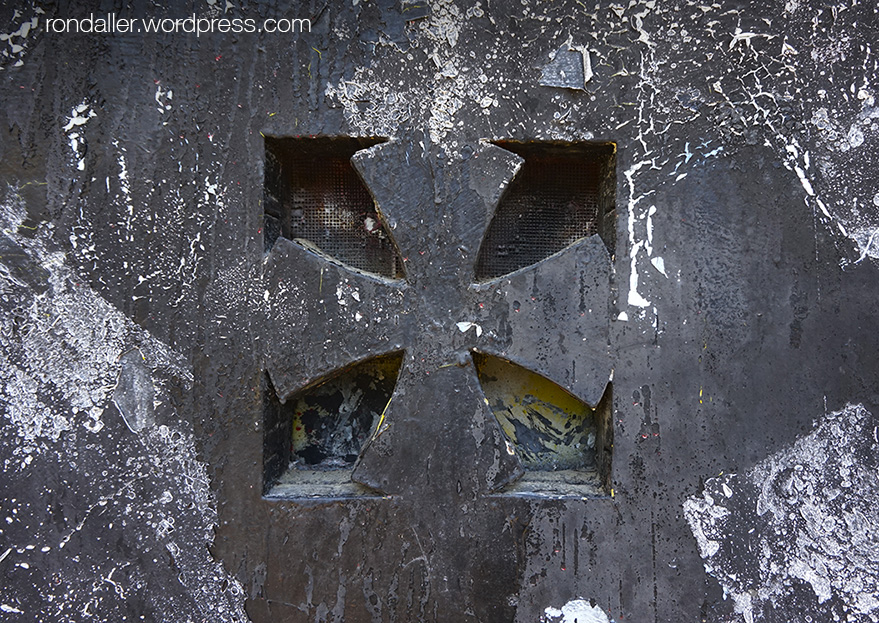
(742, 322)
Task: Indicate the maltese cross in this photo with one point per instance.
(438, 430)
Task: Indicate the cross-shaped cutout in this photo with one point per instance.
(376, 374)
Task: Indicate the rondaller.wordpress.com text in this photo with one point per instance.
(110, 23)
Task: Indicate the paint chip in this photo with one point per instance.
(465, 326)
(570, 68)
(658, 264)
(575, 611)
(134, 393)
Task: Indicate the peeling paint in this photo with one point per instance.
(458, 86)
(17, 42)
(62, 352)
(808, 514)
(79, 116)
(575, 611)
(570, 67)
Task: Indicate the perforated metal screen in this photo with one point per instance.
(560, 195)
(314, 194)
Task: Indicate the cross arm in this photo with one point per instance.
(552, 318)
(323, 316)
(437, 431)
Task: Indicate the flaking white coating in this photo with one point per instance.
(812, 509)
(58, 367)
(575, 611)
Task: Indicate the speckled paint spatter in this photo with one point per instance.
(804, 518)
(88, 396)
(135, 319)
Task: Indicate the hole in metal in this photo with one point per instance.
(313, 440)
(314, 195)
(564, 192)
(564, 444)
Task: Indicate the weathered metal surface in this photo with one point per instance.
(348, 316)
(742, 288)
(553, 318)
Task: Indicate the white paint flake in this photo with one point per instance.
(635, 299)
(575, 611)
(810, 514)
(163, 99)
(465, 326)
(744, 38)
(659, 264)
(79, 116)
(14, 44)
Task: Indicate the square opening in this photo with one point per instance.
(312, 440)
(563, 193)
(564, 444)
(314, 196)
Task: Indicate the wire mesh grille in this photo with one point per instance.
(558, 197)
(313, 193)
